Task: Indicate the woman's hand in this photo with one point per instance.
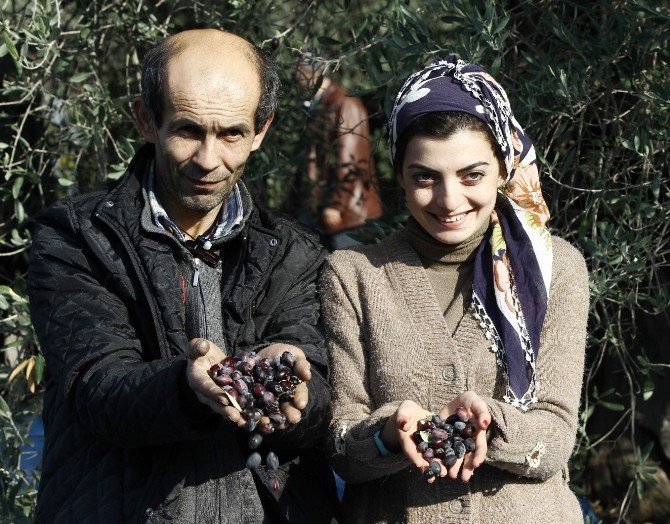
(398, 430)
(479, 416)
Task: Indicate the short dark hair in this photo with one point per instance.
(442, 124)
(154, 78)
(270, 86)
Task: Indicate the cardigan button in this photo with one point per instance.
(149, 512)
(273, 242)
(456, 506)
(449, 373)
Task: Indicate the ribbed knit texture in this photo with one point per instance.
(449, 269)
(388, 341)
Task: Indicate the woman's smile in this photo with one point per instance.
(451, 221)
(451, 184)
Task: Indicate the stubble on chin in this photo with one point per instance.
(182, 195)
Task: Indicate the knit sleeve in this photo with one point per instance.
(538, 443)
(354, 453)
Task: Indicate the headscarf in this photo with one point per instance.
(512, 273)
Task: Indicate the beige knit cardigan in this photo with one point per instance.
(388, 342)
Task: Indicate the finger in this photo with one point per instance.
(197, 347)
(302, 367)
(403, 423)
(234, 416)
(479, 455)
(468, 467)
(412, 453)
(291, 413)
(455, 469)
(404, 417)
(408, 415)
(481, 412)
(444, 413)
(301, 396)
(220, 407)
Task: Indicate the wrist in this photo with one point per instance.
(383, 450)
(388, 436)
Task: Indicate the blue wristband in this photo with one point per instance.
(380, 445)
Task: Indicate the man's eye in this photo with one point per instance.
(188, 131)
(232, 133)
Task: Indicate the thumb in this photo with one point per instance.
(406, 417)
(197, 347)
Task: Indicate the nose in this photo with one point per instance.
(207, 155)
(449, 194)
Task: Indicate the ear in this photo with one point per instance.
(143, 120)
(258, 139)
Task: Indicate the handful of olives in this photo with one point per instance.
(256, 387)
(444, 440)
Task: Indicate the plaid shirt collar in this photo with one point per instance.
(230, 216)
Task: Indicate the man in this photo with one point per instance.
(341, 166)
(136, 292)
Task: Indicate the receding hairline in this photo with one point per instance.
(179, 43)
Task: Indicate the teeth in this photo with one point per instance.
(448, 220)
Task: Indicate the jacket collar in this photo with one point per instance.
(257, 247)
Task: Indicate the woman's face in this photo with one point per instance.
(451, 183)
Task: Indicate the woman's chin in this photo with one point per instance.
(449, 232)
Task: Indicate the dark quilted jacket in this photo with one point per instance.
(120, 421)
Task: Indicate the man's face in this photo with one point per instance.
(206, 135)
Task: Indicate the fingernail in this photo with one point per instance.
(203, 345)
(486, 423)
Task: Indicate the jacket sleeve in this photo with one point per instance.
(296, 322)
(354, 454)
(538, 443)
(93, 354)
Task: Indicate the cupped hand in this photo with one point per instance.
(397, 433)
(302, 369)
(478, 415)
(203, 354)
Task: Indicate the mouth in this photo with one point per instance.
(204, 183)
(450, 220)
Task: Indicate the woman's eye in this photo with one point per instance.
(474, 176)
(423, 178)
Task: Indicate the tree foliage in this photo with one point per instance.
(588, 80)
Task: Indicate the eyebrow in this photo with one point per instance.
(417, 165)
(472, 166)
(241, 126)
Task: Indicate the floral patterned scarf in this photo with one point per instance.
(512, 274)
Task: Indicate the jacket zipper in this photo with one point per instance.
(195, 282)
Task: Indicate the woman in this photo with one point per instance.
(473, 304)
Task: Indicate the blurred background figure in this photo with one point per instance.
(344, 192)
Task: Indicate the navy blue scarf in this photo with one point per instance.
(512, 273)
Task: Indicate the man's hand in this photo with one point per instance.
(202, 355)
(480, 416)
(302, 369)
